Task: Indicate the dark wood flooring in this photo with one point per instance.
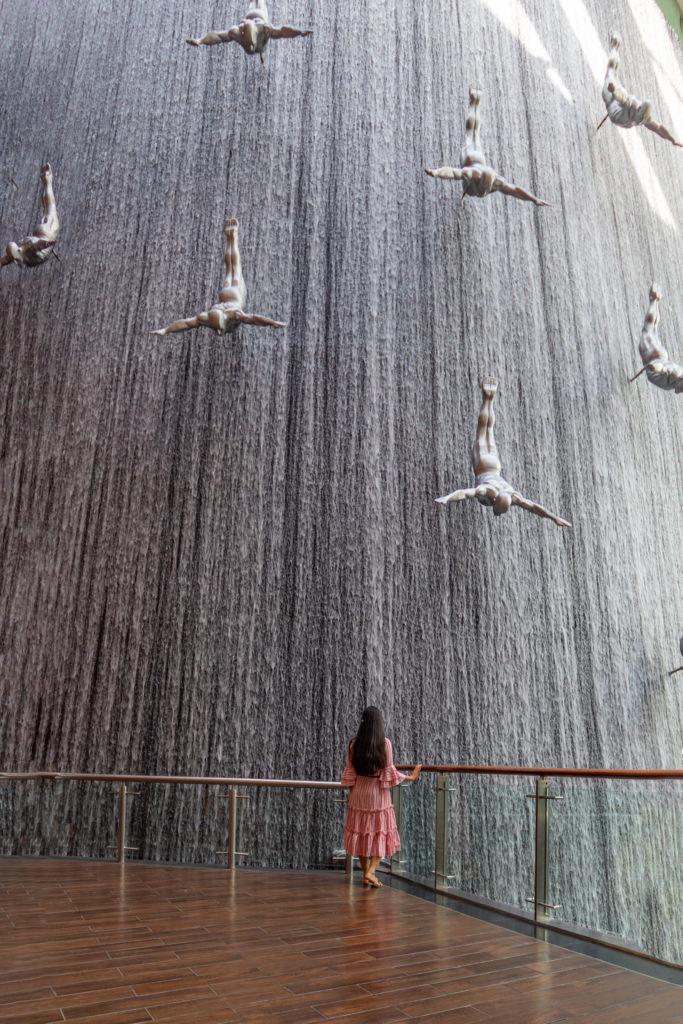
(93, 942)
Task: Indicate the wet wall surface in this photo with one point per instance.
(214, 550)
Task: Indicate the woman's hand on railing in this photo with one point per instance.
(415, 773)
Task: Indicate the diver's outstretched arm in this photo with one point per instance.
(285, 32)
(181, 325)
(532, 506)
(453, 173)
(467, 492)
(660, 130)
(501, 185)
(259, 321)
(211, 38)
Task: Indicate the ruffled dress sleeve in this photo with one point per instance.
(349, 776)
(390, 775)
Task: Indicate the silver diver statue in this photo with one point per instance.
(623, 109)
(478, 179)
(490, 487)
(252, 33)
(35, 249)
(226, 315)
(656, 363)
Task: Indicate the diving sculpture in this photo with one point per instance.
(625, 110)
(491, 489)
(657, 366)
(478, 179)
(35, 249)
(252, 33)
(226, 315)
(680, 669)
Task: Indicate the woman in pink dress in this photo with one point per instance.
(371, 832)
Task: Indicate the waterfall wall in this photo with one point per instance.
(214, 550)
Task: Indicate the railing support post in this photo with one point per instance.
(232, 827)
(442, 828)
(232, 797)
(542, 871)
(397, 860)
(541, 899)
(121, 846)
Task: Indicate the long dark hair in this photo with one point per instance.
(368, 755)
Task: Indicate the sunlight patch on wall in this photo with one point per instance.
(595, 56)
(657, 39)
(517, 21)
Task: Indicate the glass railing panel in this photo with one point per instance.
(282, 827)
(177, 823)
(416, 827)
(617, 861)
(170, 822)
(492, 838)
(55, 818)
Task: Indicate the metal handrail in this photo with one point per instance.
(181, 780)
(213, 780)
(581, 773)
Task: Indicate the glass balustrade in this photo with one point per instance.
(598, 854)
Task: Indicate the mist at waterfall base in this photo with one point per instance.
(216, 551)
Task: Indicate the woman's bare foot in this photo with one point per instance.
(373, 881)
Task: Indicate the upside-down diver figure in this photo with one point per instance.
(478, 179)
(490, 487)
(35, 249)
(252, 33)
(625, 110)
(226, 315)
(657, 367)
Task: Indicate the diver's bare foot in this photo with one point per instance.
(489, 386)
(192, 42)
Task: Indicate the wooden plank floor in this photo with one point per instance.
(92, 942)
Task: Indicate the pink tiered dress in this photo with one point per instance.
(370, 820)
